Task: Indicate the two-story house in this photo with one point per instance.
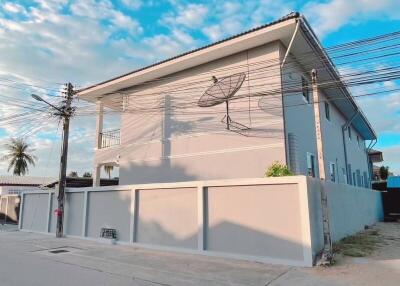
(166, 136)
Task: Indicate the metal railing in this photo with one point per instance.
(110, 138)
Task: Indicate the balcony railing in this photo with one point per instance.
(110, 138)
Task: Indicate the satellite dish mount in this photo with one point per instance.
(222, 91)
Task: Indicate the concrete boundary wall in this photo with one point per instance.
(273, 220)
(350, 210)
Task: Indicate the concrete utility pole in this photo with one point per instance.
(327, 255)
(66, 114)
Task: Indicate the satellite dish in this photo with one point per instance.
(222, 91)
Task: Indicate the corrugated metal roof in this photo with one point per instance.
(393, 182)
(25, 181)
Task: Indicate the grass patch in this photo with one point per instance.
(359, 245)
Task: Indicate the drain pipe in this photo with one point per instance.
(290, 43)
(344, 128)
(283, 105)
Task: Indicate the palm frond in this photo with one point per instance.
(19, 156)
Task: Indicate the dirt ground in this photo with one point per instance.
(382, 267)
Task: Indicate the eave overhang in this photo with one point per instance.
(281, 30)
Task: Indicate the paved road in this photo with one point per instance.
(26, 260)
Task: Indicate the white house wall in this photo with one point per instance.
(299, 120)
(192, 143)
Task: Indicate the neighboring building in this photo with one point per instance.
(375, 156)
(82, 182)
(14, 185)
(166, 137)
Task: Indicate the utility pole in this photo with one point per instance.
(327, 256)
(66, 114)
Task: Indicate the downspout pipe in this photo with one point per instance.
(283, 105)
(344, 128)
(290, 43)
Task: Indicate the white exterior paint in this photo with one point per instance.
(193, 144)
(275, 220)
(299, 120)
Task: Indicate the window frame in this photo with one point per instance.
(327, 111)
(312, 160)
(332, 171)
(305, 90)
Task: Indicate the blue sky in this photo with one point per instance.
(48, 42)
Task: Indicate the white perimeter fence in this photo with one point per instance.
(275, 220)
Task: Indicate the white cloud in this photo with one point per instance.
(133, 4)
(390, 157)
(375, 106)
(14, 8)
(164, 46)
(328, 17)
(232, 17)
(48, 46)
(191, 16)
(104, 10)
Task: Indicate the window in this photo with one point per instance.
(332, 170)
(358, 141)
(327, 111)
(344, 175)
(349, 181)
(349, 130)
(354, 179)
(305, 89)
(358, 174)
(310, 165)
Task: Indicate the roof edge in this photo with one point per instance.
(337, 75)
(289, 16)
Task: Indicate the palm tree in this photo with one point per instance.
(108, 169)
(18, 155)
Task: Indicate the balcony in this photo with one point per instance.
(110, 138)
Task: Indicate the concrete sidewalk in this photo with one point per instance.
(26, 260)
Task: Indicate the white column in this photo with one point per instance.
(99, 130)
(318, 131)
(99, 123)
(96, 175)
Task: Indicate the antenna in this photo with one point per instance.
(223, 90)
